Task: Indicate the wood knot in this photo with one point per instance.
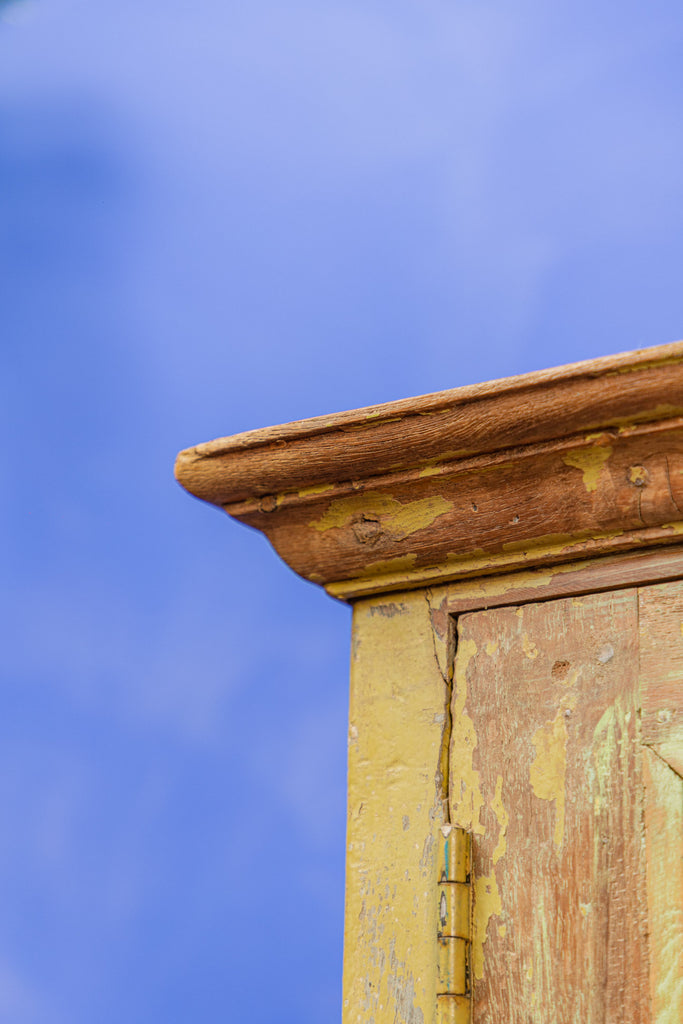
(559, 669)
(638, 476)
(367, 529)
(268, 503)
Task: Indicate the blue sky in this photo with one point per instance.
(218, 216)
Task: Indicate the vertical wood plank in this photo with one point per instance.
(661, 669)
(397, 722)
(546, 771)
(664, 845)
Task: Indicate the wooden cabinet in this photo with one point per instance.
(513, 553)
(555, 773)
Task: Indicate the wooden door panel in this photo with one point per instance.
(664, 839)
(661, 669)
(546, 770)
(661, 672)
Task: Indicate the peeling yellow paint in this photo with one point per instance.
(391, 575)
(502, 930)
(387, 565)
(585, 909)
(493, 645)
(570, 700)
(397, 519)
(663, 827)
(637, 475)
(431, 469)
(646, 364)
(529, 647)
(466, 796)
(487, 904)
(395, 811)
(590, 461)
(503, 820)
(317, 489)
(548, 769)
(607, 741)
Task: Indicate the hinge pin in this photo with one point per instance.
(454, 931)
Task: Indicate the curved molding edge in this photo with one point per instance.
(541, 469)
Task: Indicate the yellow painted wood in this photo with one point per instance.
(397, 721)
(451, 1009)
(664, 843)
(562, 745)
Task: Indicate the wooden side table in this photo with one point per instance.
(514, 555)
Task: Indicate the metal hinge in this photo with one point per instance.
(454, 937)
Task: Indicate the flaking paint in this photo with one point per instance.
(590, 461)
(529, 647)
(465, 789)
(664, 820)
(503, 817)
(403, 572)
(487, 904)
(548, 769)
(397, 519)
(398, 696)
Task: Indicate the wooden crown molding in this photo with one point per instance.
(539, 469)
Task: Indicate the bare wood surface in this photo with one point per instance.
(548, 468)
(545, 583)
(607, 392)
(576, 500)
(546, 771)
(661, 666)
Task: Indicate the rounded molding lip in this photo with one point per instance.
(475, 480)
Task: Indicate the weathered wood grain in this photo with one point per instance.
(664, 846)
(527, 509)
(633, 387)
(395, 810)
(554, 733)
(543, 469)
(661, 667)
(544, 583)
(546, 770)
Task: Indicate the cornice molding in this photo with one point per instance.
(538, 469)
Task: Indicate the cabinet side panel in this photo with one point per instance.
(397, 722)
(546, 770)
